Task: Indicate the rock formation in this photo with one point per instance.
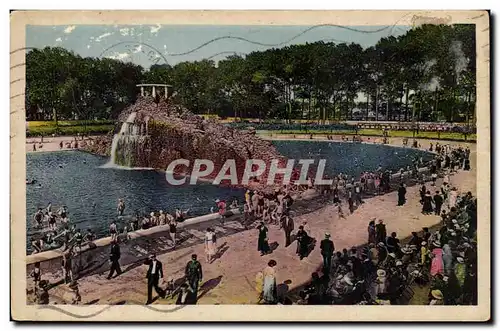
(164, 132)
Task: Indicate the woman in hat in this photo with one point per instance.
(263, 244)
(424, 253)
(427, 203)
(210, 244)
(407, 254)
(437, 259)
(269, 292)
(381, 231)
(437, 298)
(303, 241)
(372, 234)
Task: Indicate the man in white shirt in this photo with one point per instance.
(155, 272)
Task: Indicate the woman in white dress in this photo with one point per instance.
(452, 201)
(210, 244)
(269, 290)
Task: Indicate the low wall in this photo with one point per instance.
(94, 258)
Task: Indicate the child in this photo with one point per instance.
(36, 275)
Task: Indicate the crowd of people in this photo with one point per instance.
(383, 271)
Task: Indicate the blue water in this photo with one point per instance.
(78, 180)
(350, 158)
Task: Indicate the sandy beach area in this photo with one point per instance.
(52, 144)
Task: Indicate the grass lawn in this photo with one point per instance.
(376, 132)
(46, 128)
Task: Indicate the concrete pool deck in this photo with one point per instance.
(230, 278)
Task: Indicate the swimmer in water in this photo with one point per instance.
(121, 207)
(63, 212)
(38, 217)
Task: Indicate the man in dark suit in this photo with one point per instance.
(288, 227)
(327, 248)
(155, 272)
(194, 274)
(114, 258)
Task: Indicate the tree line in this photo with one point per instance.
(428, 74)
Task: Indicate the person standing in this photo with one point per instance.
(438, 202)
(302, 242)
(162, 219)
(172, 225)
(67, 266)
(113, 231)
(194, 274)
(381, 231)
(327, 248)
(350, 200)
(401, 194)
(38, 217)
(36, 275)
(114, 258)
(155, 272)
(210, 244)
(357, 194)
(372, 233)
(427, 203)
(288, 227)
(121, 207)
(263, 244)
(269, 290)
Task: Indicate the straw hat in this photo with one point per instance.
(327, 235)
(398, 263)
(437, 294)
(161, 211)
(381, 244)
(424, 243)
(454, 221)
(381, 273)
(217, 200)
(413, 246)
(436, 244)
(460, 259)
(392, 255)
(152, 213)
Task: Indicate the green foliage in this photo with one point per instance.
(69, 130)
(427, 74)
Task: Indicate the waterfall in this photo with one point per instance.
(127, 146)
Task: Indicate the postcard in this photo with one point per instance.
(247, 165)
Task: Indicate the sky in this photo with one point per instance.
(156, 44)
